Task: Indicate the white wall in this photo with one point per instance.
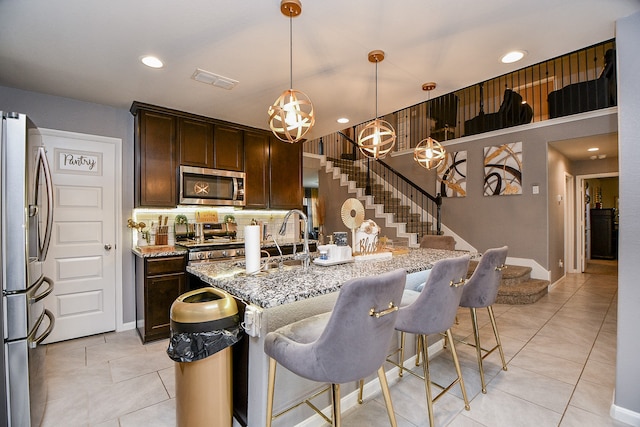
(627, 393)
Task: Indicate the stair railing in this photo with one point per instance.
(409, 204)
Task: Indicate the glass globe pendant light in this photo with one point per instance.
(291, 116)
(429, 153)
(378, 137)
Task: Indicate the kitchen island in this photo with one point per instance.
(281, 296)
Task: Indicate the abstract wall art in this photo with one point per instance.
(503, 169)
(452, 175)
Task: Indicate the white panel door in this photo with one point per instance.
(82, 254)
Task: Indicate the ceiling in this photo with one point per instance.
(90, 51)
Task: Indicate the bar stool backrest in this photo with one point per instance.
(481, 289)
(434, 310)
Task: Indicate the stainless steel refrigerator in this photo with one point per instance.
(25, 232)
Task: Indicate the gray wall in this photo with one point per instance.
(627, 371)
(531, 225)
(70, 115)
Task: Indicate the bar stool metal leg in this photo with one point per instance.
(270, 390)
(384, 386)
(495, 332)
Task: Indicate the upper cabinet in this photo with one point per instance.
(195, 139)
(285, 180)
(274, 172)
(155, 160)
(166, 139)
(228, 148)
(256, 161)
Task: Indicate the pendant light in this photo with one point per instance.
(429, 153)
(378, 137)
(291, 115)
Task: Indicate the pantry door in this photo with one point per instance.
(82, 254)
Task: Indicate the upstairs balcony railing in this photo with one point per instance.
(580, 81)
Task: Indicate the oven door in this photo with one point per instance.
(200, 186)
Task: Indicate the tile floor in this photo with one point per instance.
(560, 353)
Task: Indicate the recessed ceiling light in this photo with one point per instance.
(513, 56)
(593, 149)
(343, 120)
(152, 61)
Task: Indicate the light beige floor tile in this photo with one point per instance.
(539, 389)
(64, 346)
(561, 348)
(125, 347)
(66, 411)
(604, 349)
(125, 397)
(584, 339)
(109, 423)
(78, 382)
(168, 377)
(161, 414)
(371, 414)
(500, 409)
(593, 397)
(66, 361)
(599, 373)
(463, 421)
(139, 364)
(545, 364)
(576, 417)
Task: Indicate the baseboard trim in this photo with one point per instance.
(625, 415)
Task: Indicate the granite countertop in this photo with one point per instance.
(278, 287)
(158, 251)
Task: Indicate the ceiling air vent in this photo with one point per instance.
(210, 78)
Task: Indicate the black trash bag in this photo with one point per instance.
(192, 345)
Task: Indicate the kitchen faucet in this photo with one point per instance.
(305, 255)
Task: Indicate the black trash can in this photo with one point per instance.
(204, 325)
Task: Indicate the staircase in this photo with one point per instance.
(517, 286)
(396, 212)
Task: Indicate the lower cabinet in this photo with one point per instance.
(159, 281)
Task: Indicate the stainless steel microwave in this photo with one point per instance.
(214, 187)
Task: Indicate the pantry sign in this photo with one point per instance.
(83, 162)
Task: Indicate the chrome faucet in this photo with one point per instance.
(305, 255)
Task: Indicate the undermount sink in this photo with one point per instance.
(287, 264)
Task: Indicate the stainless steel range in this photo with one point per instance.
(214, 249)
(208, 242)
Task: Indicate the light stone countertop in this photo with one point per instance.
(291, 284)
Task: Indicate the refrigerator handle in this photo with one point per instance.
(43, 163)
(33, 298)
(32, 339)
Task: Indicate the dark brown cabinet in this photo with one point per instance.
(274, 172)
(166, 139)
(159, 281)
(196, 143)
(155, 159)
(228, 148)
(256, 161)
(285, 166)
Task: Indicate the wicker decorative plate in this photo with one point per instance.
(352, 213)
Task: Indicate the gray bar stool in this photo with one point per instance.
(434, 312)
(481, 291)
(347, 344)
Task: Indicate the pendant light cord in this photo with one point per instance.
(290, 49)
(377, 88)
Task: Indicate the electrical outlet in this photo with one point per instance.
(560, 263)
(252, 321)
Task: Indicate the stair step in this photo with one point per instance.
(526, 292)
(517, 286)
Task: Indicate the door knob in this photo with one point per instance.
(107, 247)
